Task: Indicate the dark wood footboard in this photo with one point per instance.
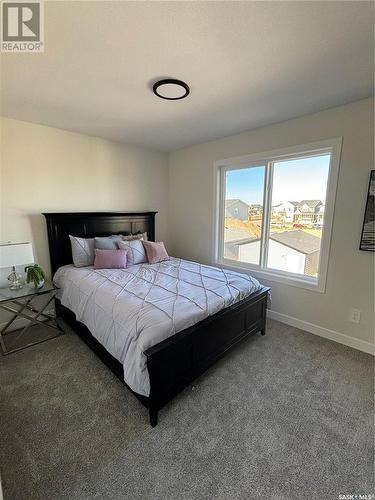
(177, 361)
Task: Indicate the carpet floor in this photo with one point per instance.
(285, 416)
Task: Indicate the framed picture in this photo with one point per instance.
(368, 230)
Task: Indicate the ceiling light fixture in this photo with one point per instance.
(171, 89)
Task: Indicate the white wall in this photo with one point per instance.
(45, 169)
(287, 259)
(350, 281)
(279, 256)
(249, 252)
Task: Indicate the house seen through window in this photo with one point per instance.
(273, 213)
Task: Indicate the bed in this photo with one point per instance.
(179, 317)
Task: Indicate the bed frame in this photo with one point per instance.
(176, 361)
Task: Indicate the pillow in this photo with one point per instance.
(107, 242)
(136, 236)
(136, 251)
(116, 237)
(155, 251)
(82, 251)
(110, 259)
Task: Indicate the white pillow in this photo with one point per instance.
(82, 251)
(136, 252)
(107, 242)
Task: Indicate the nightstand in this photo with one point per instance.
(27, 304)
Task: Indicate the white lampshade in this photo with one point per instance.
(16, 254)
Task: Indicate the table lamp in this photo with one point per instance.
(16, 254)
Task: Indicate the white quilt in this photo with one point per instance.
(130, 310)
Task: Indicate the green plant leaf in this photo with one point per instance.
(34, 274)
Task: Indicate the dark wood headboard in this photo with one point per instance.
(88, 225)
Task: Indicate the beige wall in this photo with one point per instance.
(350, 281)
(47, 169)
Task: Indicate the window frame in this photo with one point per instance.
(268, 158)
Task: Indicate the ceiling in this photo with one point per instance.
(248, 64)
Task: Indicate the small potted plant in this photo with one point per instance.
(34, 276)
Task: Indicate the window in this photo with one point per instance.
(275, 213)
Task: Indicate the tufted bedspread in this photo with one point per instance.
(130, 310)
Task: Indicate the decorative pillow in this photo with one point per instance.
(136, 251)
(155, 251)
(136, 236)
(107, 242)
(116, 237)
(82, 251)
(110, 259)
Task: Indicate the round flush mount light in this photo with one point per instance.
(171, 89)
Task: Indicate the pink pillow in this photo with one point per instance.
(155, 251)
(110, 259)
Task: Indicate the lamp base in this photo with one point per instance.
(16, 280)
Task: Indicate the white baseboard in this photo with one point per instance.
(341, 338)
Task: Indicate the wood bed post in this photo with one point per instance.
(264, 316)
(153, 416)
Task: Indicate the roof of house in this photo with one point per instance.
(294, 203)
(229, 203)
(298, 240)
(310, 203)
(283, 203)
(238, 235)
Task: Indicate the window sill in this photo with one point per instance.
(272, 276)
